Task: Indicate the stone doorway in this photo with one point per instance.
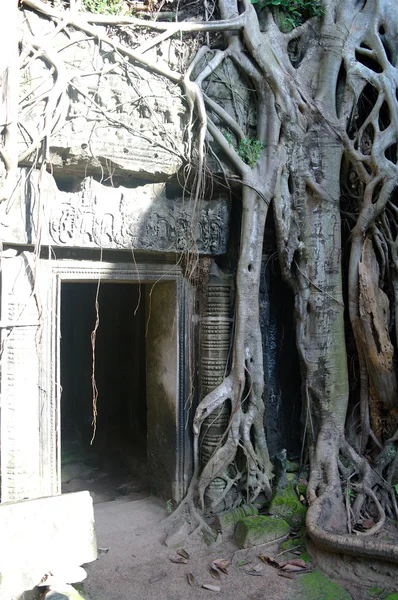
(110, 459)
(32, 421)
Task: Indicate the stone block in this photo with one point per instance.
(226, 521)
(177, 534)
(286, 504)
(43, 536)
(260, 529)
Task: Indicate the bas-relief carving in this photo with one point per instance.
(97, 216)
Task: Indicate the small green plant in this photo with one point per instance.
(395, 486)
(295, 12)
(106, 7)
(169, 506)
(249, 150)
(228, 137)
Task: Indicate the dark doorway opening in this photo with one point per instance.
(113, 463)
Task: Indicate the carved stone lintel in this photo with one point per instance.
(97, 216)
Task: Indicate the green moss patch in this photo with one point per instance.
(316, 586)
(285, 504)
(255, 530)
(291, 544)
(227, 520)
(393, 596)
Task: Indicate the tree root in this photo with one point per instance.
(344, 543)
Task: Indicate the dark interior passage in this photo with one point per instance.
(118, 451)
(281, 364)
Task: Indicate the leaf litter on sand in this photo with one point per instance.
(179, 560)
(212, 588)
(221, 564)
(294, 565)
(215, 573)
(256, 570)
(182, 553)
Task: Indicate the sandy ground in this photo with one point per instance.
(136, 563)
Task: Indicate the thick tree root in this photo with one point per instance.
(344, 543)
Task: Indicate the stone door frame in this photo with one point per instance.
(140, 273)
(53, 273)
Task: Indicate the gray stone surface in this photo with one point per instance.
(42, 536)
(115, 117)
(177, 535)
(162, 389)
(98, 216)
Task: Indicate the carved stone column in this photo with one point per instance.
(215, 342)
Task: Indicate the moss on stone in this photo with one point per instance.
(316, 586)
(227, 520)
(285, 504)
(260, 529)
(290, 544)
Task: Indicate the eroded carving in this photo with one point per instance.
(98, 216)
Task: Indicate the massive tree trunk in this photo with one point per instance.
(324, 149)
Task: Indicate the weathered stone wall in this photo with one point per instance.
(115, 119)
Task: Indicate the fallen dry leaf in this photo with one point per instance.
(215, 573)
(213, 588)
(299, 562)
(191, 579)
(179, 560)
(221, 564)
(292, 568)
(183, 553)
(269, 560)
(256, 570)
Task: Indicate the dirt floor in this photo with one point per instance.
(135, 564)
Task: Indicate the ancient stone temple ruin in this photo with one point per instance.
(117, 249)
(117, 287)
(99, 318)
